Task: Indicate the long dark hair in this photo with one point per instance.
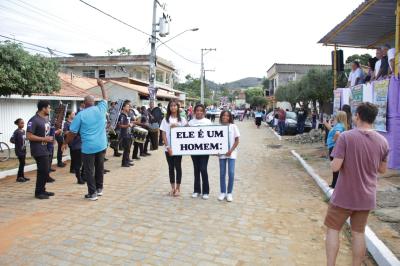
(169, 110)
(230, 116)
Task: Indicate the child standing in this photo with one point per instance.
(172, 119)
(230, 156)
(18, 138)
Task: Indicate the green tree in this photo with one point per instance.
(258, 101)
(252, 92)
(24, 74)
(192, 87)
(266, 83)
(363, 59)
(120, 51)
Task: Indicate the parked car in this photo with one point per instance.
(291, 124)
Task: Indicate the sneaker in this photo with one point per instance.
(99, 192)
(42, 196)
(52, 170)
(48, 193)
(205, 197)
(80, 182)
(105, 159)
(125, 165)
(21, 179)
(136, 158)
(130, 161)
(61, 165)
(195, 195)
(27, 179)
(117, 154)
(91, 196)
(50, 179)
(106, 171)
(229, 197)
(221, 196)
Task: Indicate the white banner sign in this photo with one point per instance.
(201, 140)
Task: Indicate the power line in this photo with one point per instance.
(36, 45)
(175, 52)
(45, 17)
(137, 29)
(117, 19)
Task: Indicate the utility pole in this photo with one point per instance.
(152, 60)
(202, 72)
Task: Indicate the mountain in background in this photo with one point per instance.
(238, 84)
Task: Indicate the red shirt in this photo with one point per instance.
(362, 152)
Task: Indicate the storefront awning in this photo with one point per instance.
(370, 25)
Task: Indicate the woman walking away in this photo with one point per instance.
(18, 138)
(200, 162)
(230, 156)
(333, 135)
(172, 119)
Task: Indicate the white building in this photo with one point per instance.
(17, 106)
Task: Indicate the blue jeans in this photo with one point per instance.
(222, 174)
(281, 126)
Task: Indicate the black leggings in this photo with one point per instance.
(200, 163)
(335, 175)
(21, 165)
(174, 163)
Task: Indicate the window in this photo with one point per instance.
(89, 73)
(168, 79)
(138, 75)
(159, 76)
(102, 73)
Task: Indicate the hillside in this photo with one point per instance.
(241, 83)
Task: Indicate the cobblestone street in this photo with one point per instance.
(276, 217)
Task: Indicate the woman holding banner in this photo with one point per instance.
(226, 119)
(200, 162)
(172, 119)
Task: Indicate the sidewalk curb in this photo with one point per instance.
(273, 131)
(28, 168)
(379, 251)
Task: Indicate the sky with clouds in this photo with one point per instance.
(249, 35)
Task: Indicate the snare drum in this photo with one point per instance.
(140, 134)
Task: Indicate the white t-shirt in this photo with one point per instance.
(200, 122)
(233, 134)
(377, 67)
(391, 55)
(166, 127)
(358, 73)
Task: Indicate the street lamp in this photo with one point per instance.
(194, 29)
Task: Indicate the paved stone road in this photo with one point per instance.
(276, 217)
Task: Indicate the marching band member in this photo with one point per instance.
(125, 125)
(74, 149)
(38, 130)
(18, 138)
